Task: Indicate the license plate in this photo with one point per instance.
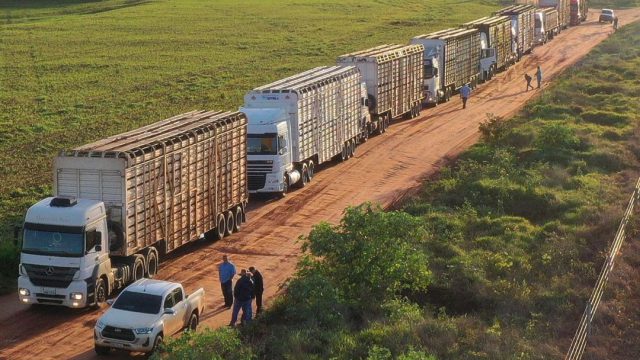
(48, 291)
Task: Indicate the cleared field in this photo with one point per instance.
(75, 71)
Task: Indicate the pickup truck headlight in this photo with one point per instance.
(141, 331)
(24, 292)
(100, 325)
(75, 296)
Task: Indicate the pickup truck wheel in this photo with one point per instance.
(101, 293)
(230, 223)
(157, 343)
(101, 350)
(193, 322)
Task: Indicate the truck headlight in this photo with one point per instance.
(145, 330)
(24, 292)
(75, 296)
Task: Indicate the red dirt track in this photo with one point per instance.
(383, 170)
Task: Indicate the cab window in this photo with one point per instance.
(168, 302)
(177, 296)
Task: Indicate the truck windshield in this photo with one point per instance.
(262, 144)
(53, 243)
(138, 302)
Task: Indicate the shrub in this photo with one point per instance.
(220, 344)
(607, 118)
(9, 260)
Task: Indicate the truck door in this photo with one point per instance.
(172, 322)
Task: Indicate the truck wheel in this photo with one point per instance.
(152, 263)
(231, 223)
(239, 218)
(157, 343)
(344, 154)
(285, 186)
(311, 167)
(101, 350)
(304, 176)
(100, 293)
(193, 322)
(352, 148)
(221, 228)
(137, 268)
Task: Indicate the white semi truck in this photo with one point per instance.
(300, 122)
(123, 202)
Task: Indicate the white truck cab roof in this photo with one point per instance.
(70, 212)
(152, 287)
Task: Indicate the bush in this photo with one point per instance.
(9, 261)
(607, 118)
(220, 344)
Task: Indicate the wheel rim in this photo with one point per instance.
(239, 218)
(230, 222)
(310, 169)
(221, 227)
(139, 270)
(101, 295)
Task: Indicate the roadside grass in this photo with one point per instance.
(494, 259)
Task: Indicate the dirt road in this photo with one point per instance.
(383, 170)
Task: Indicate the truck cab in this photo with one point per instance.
(540, 33)
(64, 252)
(488, 59)
(432, 60)
(270, 165)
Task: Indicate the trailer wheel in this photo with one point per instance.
(311, 169)
(352, 148)
(239, 218)
(221, 228)
(230, 223)
(152, 263)
(343, 154)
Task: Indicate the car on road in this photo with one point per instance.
(144, 314)
(606, 15)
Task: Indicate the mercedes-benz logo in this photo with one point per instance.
(49, 271)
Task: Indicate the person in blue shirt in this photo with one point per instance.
(226, 271)
(465, 92)
(539, 76)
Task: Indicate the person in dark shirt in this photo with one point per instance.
(242, 295)
(528, 79)
(258, 288)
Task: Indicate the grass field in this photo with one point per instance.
(72, 71)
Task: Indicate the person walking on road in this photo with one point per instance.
(227, 271)
(465, 92)
(539, 76)
(242, 295)
(528, 79)
(615, 23)
(258, 288)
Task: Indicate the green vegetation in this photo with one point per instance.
(74, 71)
(617, 4)
(494, 259)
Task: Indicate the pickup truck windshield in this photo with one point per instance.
(262, 144)
(138, 302)
(53, 243)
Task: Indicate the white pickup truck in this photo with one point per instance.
(146, 312)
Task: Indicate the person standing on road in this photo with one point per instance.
(242, 295)
(465, 92)
(539, 76)
(226, 271)
(258, 288)
(615, 23)
(528, 79)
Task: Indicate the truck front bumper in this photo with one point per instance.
(141, 343)
(273, 183)
(73, 296)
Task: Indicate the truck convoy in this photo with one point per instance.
(146, 312)
(547, 25)
(303, 121)
(522, 26)
(496, 40)
(451, 59)
(123, 202)
(393, 78)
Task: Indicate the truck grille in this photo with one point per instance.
(259, 166)
(118, 333)
(256, 181)
(50, 276)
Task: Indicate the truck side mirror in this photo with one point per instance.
(282, 151)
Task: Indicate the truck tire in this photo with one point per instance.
(100, 294)
(152, 263)
(285, 187)
(137, 268)
(344, 154)
(230, 219)
(221, 228)
(101, 350)
(352, 148)
(311, 167)
(193, 322)
(157, 343)
(304, 176)
(239, 218)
